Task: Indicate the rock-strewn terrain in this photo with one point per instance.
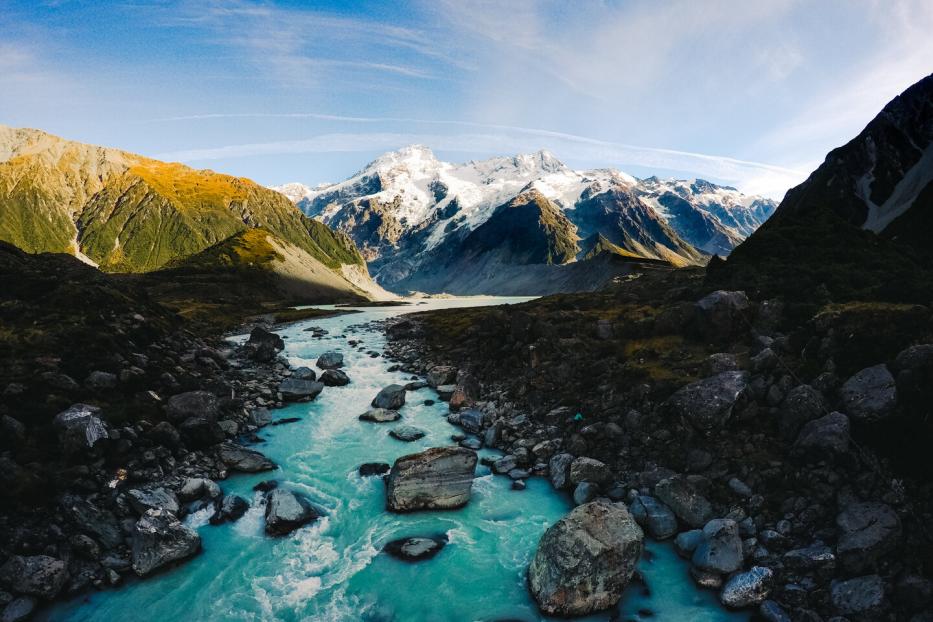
(784, 445)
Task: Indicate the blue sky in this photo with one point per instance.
(749, 93)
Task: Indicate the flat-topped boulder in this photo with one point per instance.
(407, 433)
(440, 478)
(585, 560)
(239, 458)
(708, 403)
(380, 415)
(416, 548)
(335, 378)
(297, 390)
(391, 398)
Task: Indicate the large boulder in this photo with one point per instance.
(801, 405)
(745, 589)
(720, 551)
(708, 403)
(335, 378)
(407, 433)
(153, 498)
(870, 395)
(658, 519)
(287, 511)
(160, 539)
(440, 478)
(722, 314)
(238, 458)
(585, 560)
(202, 404)
(330, 360)
(297, 390)
(391, 398)
(80, 429)
(826, 437)
(471, 420)
(589, 470)
(686, 502)
(36, 575)
(867, 531)
(441, 375)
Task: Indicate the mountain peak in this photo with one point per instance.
(410, 156)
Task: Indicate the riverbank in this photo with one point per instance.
(777, 422)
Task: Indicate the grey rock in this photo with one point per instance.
(870, 395)
(153, 498)
(504, 464)
(416, 548)
(823, 438)
(745, 589)
(708, 403)
(330, 360)
(296, 390)
(559, 471)
(471, 420)
(160, 539)
(335, 378)
(391, 398)
(740, 488)
(35, 575)
(584, 561)
(407, 433)
(810, 558)
(373, 468)
(721, 548)
(98, 523)
(380, 415)
(232, 508)
(770, 611)
(445, 391)
(722, 314)
(658, 519)
(689, 505)
(764, 361)
(80, 428)
(585, 492)
(201, 404)
(867, 532)
(719, 363)
(304, 373)
(589, 470)
(239, 458)
(439, 478)
(194, 488)
(287, 511)
(802, 404)
(472, 442)
(441, 375)
(861, 598)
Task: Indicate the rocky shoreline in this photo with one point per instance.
(110, 498)
(729, 425)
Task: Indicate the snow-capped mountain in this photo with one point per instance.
(410, 213)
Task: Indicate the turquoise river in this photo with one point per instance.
(333, 568)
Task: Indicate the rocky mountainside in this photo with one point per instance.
(872, 198)
(410, 213)
(126, 213)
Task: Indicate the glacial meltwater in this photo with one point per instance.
(332, 569)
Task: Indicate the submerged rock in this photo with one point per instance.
(373, 468)
(160, 539)
(585, 560)
(287, 511)
(416, 548)
(391, 398)
(407, 433)
(439, 478)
